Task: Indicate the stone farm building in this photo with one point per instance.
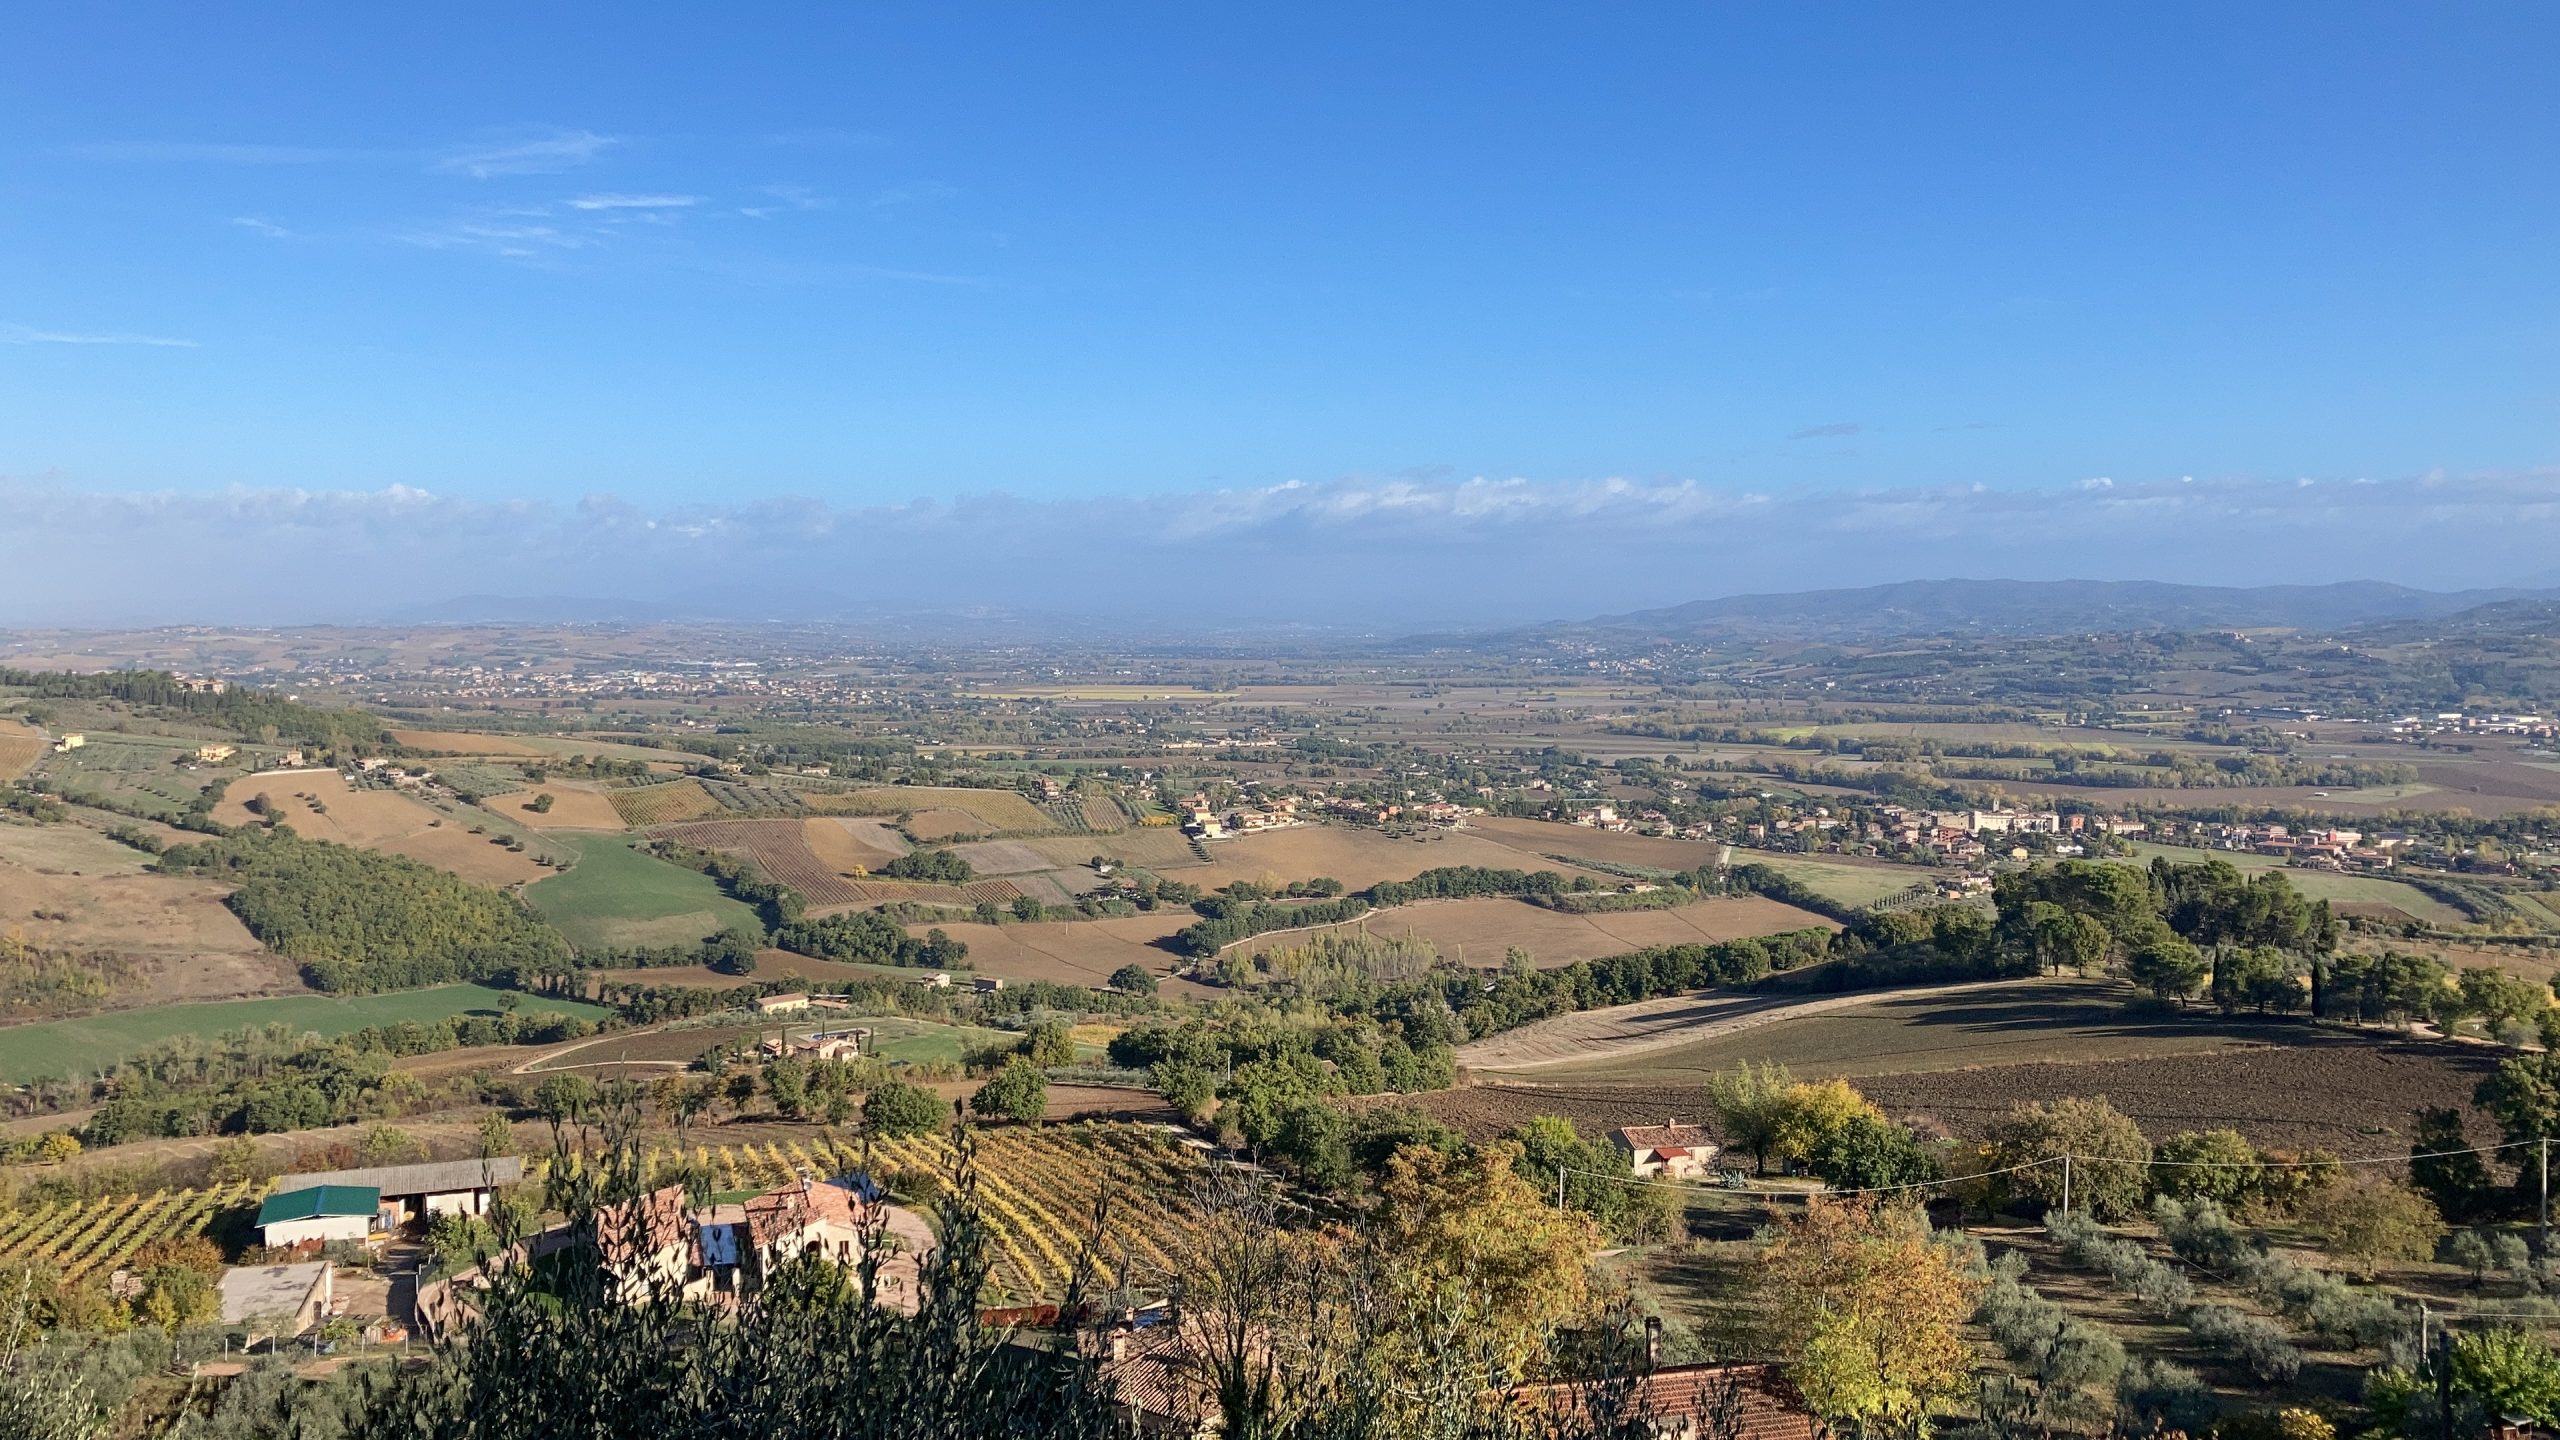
(1670, 1150)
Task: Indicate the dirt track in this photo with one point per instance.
(1622, 1030)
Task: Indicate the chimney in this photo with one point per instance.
(1119, 1346)
(1652, 1341)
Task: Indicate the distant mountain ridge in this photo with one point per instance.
(2037, 607)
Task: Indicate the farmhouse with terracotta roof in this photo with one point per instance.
(1671, 1150)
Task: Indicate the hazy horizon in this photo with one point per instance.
(1340, 316)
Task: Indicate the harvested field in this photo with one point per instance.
(992, 811)
(60, 1046)
(1357, 858)
(575, 805)
(942, 824)
(20, 747)
(845, 845)
(95, 895)
(1548, 837)
(2351, 1094)
(1146, 848)
(676, 800)
(1003, 857)
(1903, 1031)
(321, 805)
(464, 742)
(1074, 952)
(779, 847)
(1480, 931)
(1619, 1032)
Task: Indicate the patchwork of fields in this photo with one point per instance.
(322, 805)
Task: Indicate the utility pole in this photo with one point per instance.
(2066, 1182)
(2545, 1208)
(1559, 1189)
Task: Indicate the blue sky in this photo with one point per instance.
(864, 258)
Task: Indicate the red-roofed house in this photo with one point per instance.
(1670, 1149)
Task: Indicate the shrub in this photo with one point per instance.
(2258, 1345)
(896, 1108)
(2370, 1220)
(2154, 1396)
(2110, 1178)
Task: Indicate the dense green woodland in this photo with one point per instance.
(360, 921)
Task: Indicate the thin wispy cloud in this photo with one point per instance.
(922, 192)
(1550, 548)
(633, 202)
(542, 155)
(15, 334)
(1825, 432)
(787, 198)
(198, 152)
(260, 225)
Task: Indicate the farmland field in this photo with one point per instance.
(2350, 1094)
(1480, 931)
(1978, 1025)
(617, 896)
(2320, 884)
(665, 804)
(56, 1047)
(575, 805)
(69, 887)
(1357, 858)
(20, 747)
(1148, 848)
(940, 823)
(992, 810)
(844, 843)
(1540, 838)
(92, 1237)
(779, 847)
(1071, 952)
(149, 775)
(384, 820)
(463, 742)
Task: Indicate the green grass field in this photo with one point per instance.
(1848, 884)
(615, 895)
(2320, 884)
(61, 1047)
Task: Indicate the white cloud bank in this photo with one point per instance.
(1376, 552)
